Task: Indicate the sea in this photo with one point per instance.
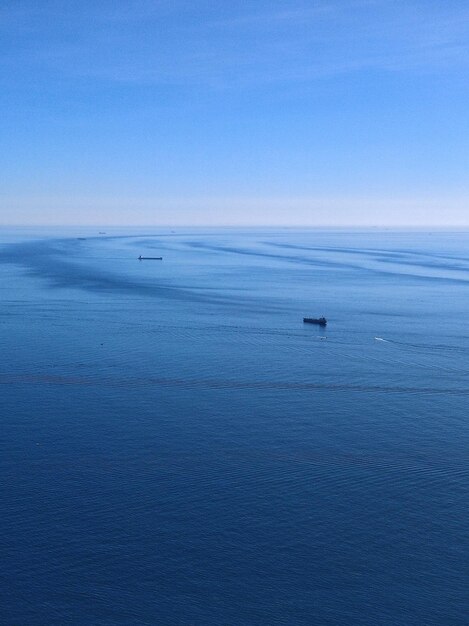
(178, 447)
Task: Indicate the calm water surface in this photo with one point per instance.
(178, 448)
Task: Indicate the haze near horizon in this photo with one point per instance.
(320, 113)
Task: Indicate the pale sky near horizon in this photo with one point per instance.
(326, 112)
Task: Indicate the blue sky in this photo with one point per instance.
(328, 112)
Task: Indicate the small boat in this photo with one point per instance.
(150, 258)
(320, 321)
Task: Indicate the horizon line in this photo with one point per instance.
(247, 226)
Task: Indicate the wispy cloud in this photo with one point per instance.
(186, 43)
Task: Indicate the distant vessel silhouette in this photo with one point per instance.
(150, 258)
(320, 321)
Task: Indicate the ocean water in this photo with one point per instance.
(178, 448)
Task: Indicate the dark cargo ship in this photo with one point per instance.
(320, 321)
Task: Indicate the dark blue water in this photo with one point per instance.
(178, 448)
